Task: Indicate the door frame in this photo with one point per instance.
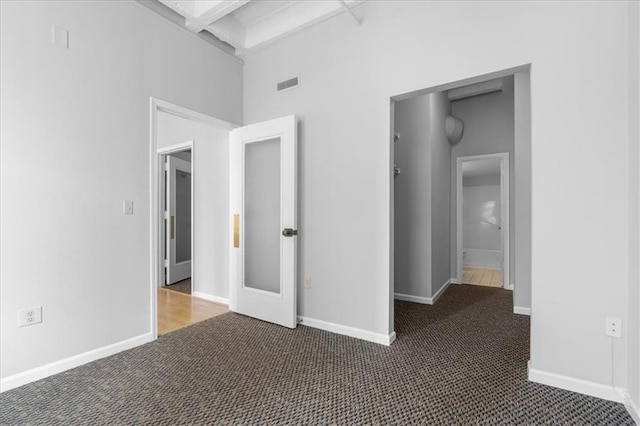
(156, 251)
(505, 210)
(162, 157)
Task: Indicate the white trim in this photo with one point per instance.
(508, 286)
(423, 300)
(521, 310)
(358, 333)
(585, 387)
(414, 299)
(455, 281)
(56, 367)
(505, 212)
(179, 147)
(210, 297)
(632, 408)
(439, 293)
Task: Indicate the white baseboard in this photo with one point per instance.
(210, 298)
(414, 299)
(436, 296)
(423, 300)
(521, 310)
(508, 287)
(632, 408)
(454, 281)
(576, 385)
(358, 333)
(56, 367)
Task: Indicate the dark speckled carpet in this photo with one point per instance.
(462, 361)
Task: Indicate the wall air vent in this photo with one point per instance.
(291, 83)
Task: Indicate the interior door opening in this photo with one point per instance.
(242, 243)
(432, 130)
(482, 220)
(177, 219)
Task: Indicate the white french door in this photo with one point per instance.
(263, 221)
(178, 220)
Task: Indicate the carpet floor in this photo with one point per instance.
(462, 361)
(183, 286)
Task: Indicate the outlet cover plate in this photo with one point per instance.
(30, 316)
(613, 327)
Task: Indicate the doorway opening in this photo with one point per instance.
(482, 219)
(177, 218)
(451, 147)
(189, 228)
(236, 177)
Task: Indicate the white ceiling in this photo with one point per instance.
(248, 25)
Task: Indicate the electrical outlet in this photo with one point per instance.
(30, 316)
(307, 282)
(613, 327)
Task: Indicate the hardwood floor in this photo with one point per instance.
(177, 310)
(482, 276)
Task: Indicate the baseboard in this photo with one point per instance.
(56, 367)
(508, 287)
(521, 310)
(576, 385)
(436, 296)
(632, 408)
(454, 281)
(210, 298)
(358, 333)
(414, 299)
(423, 300)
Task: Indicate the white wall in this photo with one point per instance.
(422, 195)
(211, 198)
(478, 230)
(488, 129)
(521, 182)
(413, 255)
(75, 127)
(579, 124)
(440, 191)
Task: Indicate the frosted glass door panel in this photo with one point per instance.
(262, 215)
(183, 216)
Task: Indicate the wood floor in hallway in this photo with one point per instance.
(177, 310)
(482, 276)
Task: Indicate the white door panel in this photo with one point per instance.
(263, 205)
(178, 223)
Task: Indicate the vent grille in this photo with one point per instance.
(288, 84)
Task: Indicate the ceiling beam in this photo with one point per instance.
(202, 13)
(351, 12)
(297, 16)
(218, 9)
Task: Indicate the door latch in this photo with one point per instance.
(288, 232)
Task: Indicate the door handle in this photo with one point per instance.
(288, 232)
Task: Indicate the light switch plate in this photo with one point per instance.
(60, 37)
(127, 207)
